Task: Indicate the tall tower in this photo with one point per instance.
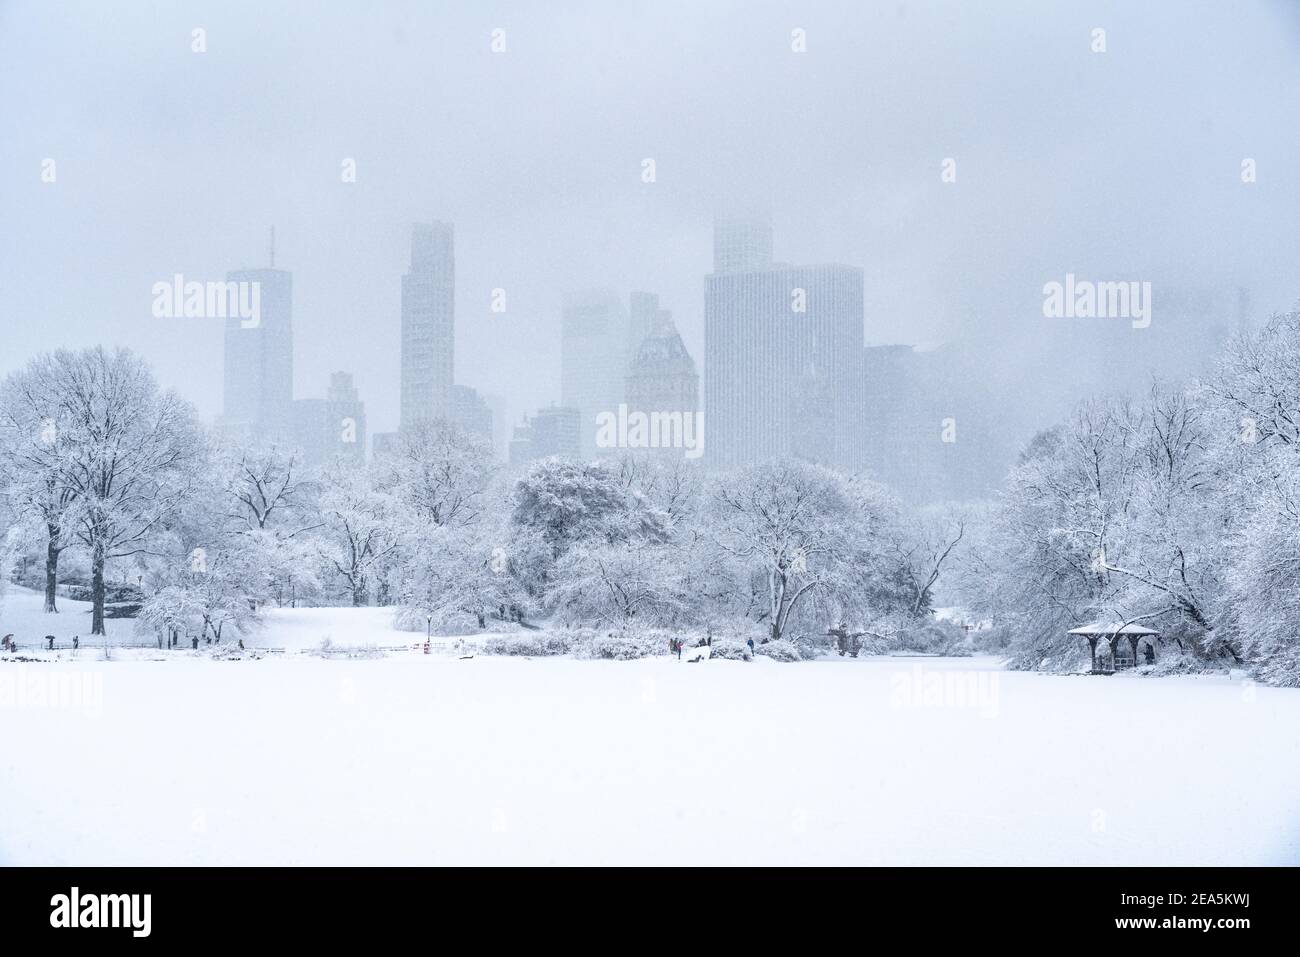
(428, 324)
(742, 244)
(258, 375)
(594, 348)
(765, 328)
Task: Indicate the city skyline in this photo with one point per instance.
(1050, 174)
(648, 434)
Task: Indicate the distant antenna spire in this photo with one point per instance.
(272, 247)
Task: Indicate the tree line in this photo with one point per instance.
(102, 467)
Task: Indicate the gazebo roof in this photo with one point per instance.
(1115, 628)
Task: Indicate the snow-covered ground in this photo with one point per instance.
(415, 759)
(291, 629)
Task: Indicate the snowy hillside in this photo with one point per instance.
(22, 614)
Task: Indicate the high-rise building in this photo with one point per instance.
(347, 418)
(594, 348)
(935, 429)
(334, 428)
(661, 377)
(258, 375)
(311, 431)
(471, 412)
(644, 318)
(428, 324)
(552, 431)
(782, 358)
(741, 244)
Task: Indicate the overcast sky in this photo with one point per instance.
(1119, 165)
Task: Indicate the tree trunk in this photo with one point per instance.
(97, 590)
(359, 593)
(51, 570)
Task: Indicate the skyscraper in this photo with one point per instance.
(661, 377)
(428, 324)
(471, 412)
(594, 348)
(347, 415)
(741, 244)
(334, 428)
(258, 374)
(783, 349)
(552, 431)
(644, 317)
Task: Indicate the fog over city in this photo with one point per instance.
(1122, 165)
(621, 433)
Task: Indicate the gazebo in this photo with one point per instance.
(1113, 632)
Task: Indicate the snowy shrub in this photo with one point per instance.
(731, 649)
(1172, 661)
(779, 650)
(934, 637)
(619, 645)
(991, 641)
(810, 647)
(530, 644)
(327, 649)
(230, 653)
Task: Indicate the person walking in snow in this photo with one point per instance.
(76, 642)
(750, 642)
(49, 642)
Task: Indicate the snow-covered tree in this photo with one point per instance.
(127, 452)
(34, 453)
(461, 576)
(1114, 517)
(789, 524)
(439, 472)
(268, 499)
(559, 504)
(924, 547)
(1255, 401)
(616, 583)
(362, 524)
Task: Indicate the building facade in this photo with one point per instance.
(553, 431)
(471, 412)
(428, 324)
(783, 352)
(334, 428)
(258, 374)
(741, 244)
(594, 349)
(661, 378)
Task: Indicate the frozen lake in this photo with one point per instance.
(416, 759)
